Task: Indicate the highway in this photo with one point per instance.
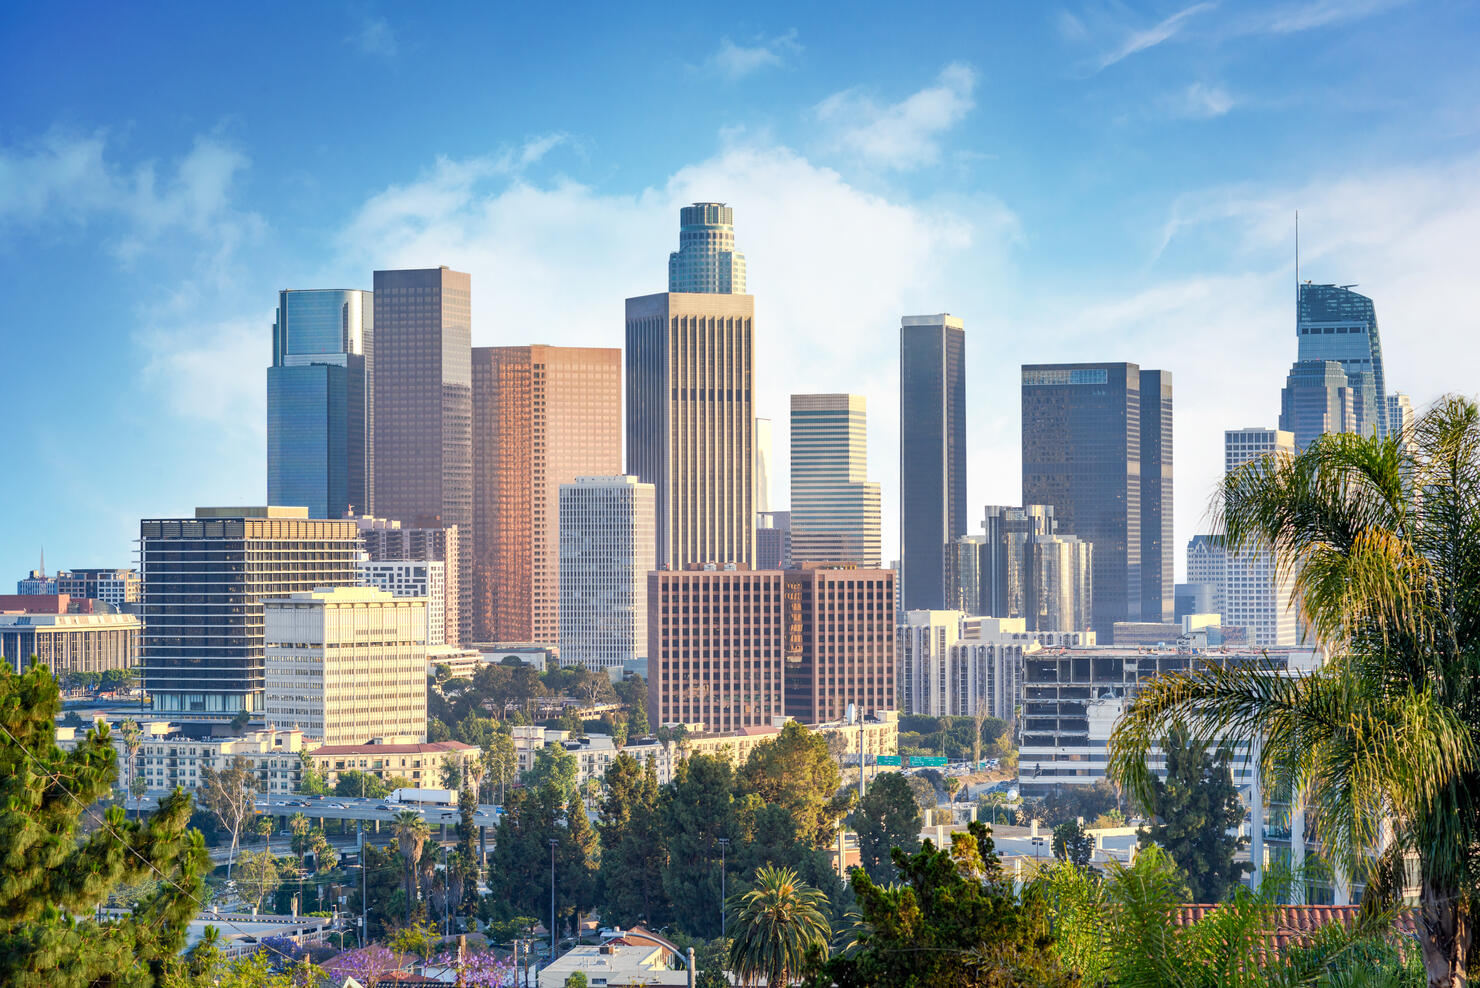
(368, 810)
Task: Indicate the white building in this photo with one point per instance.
(347, 664)
(923, 650)
(1254, 595)
(608, 546)
(167, 759)
(424, 578)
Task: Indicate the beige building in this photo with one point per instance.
(70, 642)
(543, 415)
(420, 763)
(834, 506)
(348, 664)
(166, 760)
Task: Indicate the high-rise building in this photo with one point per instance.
(706, 261)
(932, 453)
(1059, 588)
(544, 415)
(422, 578)
(734, 648)
(205, 579)
(1335, 323)
(834, 507)
(1256, 594)
(773, 540)
(1030, 571)
(118, 587)
(1400, 414)
(321, 403)
(690, 416)
(1316, 399)
(385, 541)
(923, 646)
(1206, 557)
(764, 464)
(423, 391)
(347, 665)
(607, 549)
(964, 559)
(1097, 446)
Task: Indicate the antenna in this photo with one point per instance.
(1297, 265)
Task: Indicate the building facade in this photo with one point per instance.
(422, 578)
(834, 507)
(607, 548)
(321, 403)
(706, 262)
(118, 587)
(387, 541)
(423, 393)
(205, 578)
(924, 642)
(765, 455)
(419, 764)
(1334, 323)
(69, 642)
(839, 651)
(544, 416)
(773, 540)
(932, 453)
(1256, 594)
(1316, 399)
(1097, 446)
(167, 758)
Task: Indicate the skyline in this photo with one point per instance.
(1073, 193)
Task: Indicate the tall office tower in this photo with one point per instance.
(839, 642)
(923, 646)
(1097, 445)
(1206, 558)
(423, 390)
(607, 549)
(321, 403)
(347, 665)
(1060, 584)
(932, 453)
(716, 648)
(706, 261)
(205, 579)
(1255, 594)
(964, 562)
(424, 578)
(1335, 323)
(834, 507)
(385, 541)
(773, 540)
(764, 458)
(544, 415)
(1008, 531)
(1316, 399)
(1400, 414)
(690, 412)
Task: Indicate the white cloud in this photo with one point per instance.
(899, 135)
(1291, 18)
(734, 62)
(1138, 41)
(375, 37)
(1201, 101)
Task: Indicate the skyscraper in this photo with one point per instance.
(607, 549)
(389, 541)
(205, 579)
(932, 453)
(1400, 414)
(1316, 399)
(1097, 446)
(706, 261)
(320, 403)
(690, 414)
(544, 415)
(834, 507)
(773, 540)
(764, 456)
(1030, 571)
(840, 642)
(1335, 323)
(1255, 593)
(423, 390)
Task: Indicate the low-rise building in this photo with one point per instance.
(167, 759)
(69, 642)
(420, 763)
(629, 960)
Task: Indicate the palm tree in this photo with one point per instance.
(1382, 540)
(775, 925)
(132, 742)
(411, 833)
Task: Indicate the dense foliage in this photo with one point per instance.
(1196, 814)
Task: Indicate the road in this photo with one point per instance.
(346, 808)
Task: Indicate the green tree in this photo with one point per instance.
(1197, 815)
(231, 796)
(1072, 844)
(519, 871)
(258, 875)
(500, 762)
(56, 874)
(952, 922)
(353, 783)
(311, 781)
(795, 770)
(576, 861)
(779, 928)
(575, 980)
(465, 863)
(633, 845)
(412, 834)
(698, 810)
(132, 741)
(1380, 537)
(554, 766)
(887, 817)
(452, 772)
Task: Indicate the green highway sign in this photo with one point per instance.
(888, 760)
(932, 761)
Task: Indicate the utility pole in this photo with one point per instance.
(553, 842)
(724, 842)
(364, 885)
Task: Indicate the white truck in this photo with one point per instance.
(423, 797)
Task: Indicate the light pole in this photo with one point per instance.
(724, 842)
(553, 842)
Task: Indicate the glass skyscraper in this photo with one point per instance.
(1335, 323)
(932, 454)
(1317, 398)
(834, 507)
(320, 406)
(706, 261)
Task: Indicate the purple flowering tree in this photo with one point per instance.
(367, 965)
(479, 969)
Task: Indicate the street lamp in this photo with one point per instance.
(724, 842)
(553, 842)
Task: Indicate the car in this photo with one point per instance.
(382, 806)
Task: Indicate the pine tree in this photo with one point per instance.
(576, 862)
(1197, 814)
(466, 863)
(699, 810)
(633, 845)
(887, 817)
(61, 860)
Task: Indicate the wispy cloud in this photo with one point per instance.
(375, 37)
(1138, 41)
(1294, 17)
(1200, 101)
(734, 62)
(899, 135)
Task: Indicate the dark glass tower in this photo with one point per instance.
(932, 454)
(320, 408)
(1335, 323)
(1097, 446)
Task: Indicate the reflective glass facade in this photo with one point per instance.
(834, 508)
(1335, 323)
(706, 260)
(932, 454)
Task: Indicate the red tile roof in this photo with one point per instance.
(433, 747)
(1293, 924)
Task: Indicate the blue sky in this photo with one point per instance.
(1093, 181)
